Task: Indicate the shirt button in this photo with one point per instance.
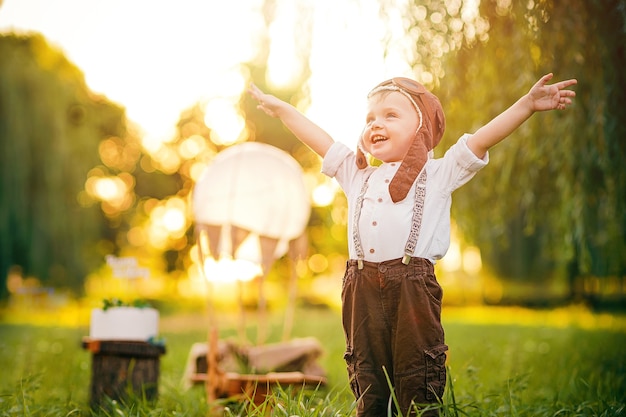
(372, 251)
(380, 200)
(387, 181)
(374, 223)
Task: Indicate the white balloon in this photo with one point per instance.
(256, 187)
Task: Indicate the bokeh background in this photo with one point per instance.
(109, 111)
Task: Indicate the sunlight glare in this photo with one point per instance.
(227, 269)
(470, 10)
(106, 188)
(196, 170)
(452, 260)
(283, 66)
(167, 221)
(174, 219)
(192, 146)
(167, 159)
(472, 262)
(231, 82)
(152, 141)
(323, 195)
(225, 121)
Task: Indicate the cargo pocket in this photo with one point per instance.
(352, 373)
(435, 372)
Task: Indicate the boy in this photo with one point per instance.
(398, 227)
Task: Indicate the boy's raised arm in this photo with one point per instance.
(541, 97)
(304, 129)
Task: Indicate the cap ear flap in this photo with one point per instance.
(361, 159)
(410, 168)
(435, 119)
(440, 120)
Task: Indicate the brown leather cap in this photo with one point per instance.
(428, 135)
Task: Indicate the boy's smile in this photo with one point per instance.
(391, 125)
(378, 138)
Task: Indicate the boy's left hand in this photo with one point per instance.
(550, 97)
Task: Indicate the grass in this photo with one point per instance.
(530, 363)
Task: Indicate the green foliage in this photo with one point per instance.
(50, 129)
(55, 135)
(116, 302)
(551, 202)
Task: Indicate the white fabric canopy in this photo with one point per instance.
(251, 191)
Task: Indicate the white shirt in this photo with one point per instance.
(383, 225)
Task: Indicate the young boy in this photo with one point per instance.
(398, 227)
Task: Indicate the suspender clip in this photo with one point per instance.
(406, 259)
(359, 263)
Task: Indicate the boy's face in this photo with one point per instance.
(390, 127)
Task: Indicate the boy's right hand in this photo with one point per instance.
(267, 102)
(304, 129)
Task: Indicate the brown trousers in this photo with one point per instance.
(394, 337)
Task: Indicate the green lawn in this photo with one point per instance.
(531, 364)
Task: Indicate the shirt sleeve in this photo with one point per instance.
(336, 156)
(466, 157)
(340, 163)
(459, 165)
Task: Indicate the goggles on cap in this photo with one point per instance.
(407, 88)
(426, 104)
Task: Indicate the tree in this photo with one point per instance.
(50, 129)
(552, 201)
